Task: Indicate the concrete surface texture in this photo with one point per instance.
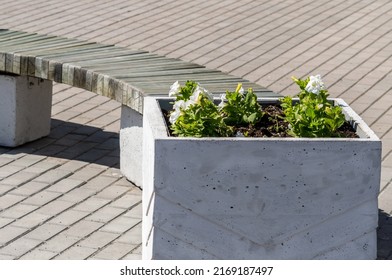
(63, 196)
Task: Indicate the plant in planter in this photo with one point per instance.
(210, 197)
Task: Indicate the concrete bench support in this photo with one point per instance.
(25, 109)
(131, 140)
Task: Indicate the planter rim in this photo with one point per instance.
(160, 130)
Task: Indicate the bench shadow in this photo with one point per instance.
(384, 236)
(74, 141)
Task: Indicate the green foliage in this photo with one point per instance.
(187, 90)
(195, 114)
(313, 115)
(241, 108)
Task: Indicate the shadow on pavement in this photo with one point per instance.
(73, 141)
(384, 236)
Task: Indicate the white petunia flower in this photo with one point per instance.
(174, 89)
(315, 84)
(174, 116)
(194, 98)
(223, 100)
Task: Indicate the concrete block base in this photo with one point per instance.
(25, 109)
(131, 140)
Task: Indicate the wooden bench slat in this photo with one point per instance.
(118, 73)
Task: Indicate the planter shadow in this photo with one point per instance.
(384, 236)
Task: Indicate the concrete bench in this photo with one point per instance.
(29, 63)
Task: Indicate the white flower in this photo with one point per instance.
(195, 95)
(241, 91)
(194, 98)
(174, 89)
(179, 104)
(315, 84)
(239, 134)
(223, 100)
(174, 116)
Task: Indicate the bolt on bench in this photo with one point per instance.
(29, 63)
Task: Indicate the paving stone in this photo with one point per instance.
(91, 204)
(132, 236)
(101, 182)
(59, 243)
(31, 220)
(19, 247)
(9, 169)
(66, 185)
(114, 251)
(38, 255)
(5, 161)
(83, 228)
(128, 200)
(55, 207)
(86, 173)
(53, 176)
(41, 167)
(76, 253)
(74, 165)
(69, 217)
(98, 239)
(6, 257)
(5, 221)
(8, 200)
(112, 192)
(18, 211)
(41, 198)
(28, 160)
(120, 225)
(19, 178)
(6, 188)
(135, 212)
(105, 214)
(77, 195)
(10, 233)
(29, 188)
(45, 232)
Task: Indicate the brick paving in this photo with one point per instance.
(63, 197)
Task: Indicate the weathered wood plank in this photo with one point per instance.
(118, 73)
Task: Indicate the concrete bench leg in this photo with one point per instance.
(25, 109)
(131, 140)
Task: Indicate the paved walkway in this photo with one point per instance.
(63, 197)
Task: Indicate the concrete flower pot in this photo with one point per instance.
(258, 198)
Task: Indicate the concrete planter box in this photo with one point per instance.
(25, 108)
(249, 198)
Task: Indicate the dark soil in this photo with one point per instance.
(273, 125)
